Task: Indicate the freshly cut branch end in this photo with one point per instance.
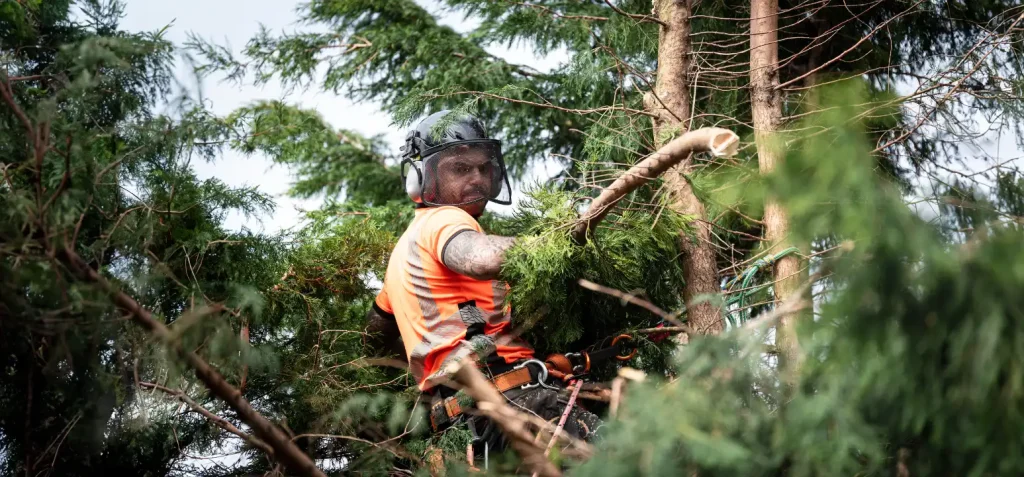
(718, 141)
(725, 144)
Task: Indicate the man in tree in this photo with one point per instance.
(441, 300)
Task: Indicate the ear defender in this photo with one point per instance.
(414, 183)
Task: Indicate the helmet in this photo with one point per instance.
(448, 159)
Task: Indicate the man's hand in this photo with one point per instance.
(476, 255)
(382, 337)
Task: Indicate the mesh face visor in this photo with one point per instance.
(465, 172)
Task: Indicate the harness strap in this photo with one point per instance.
(446, 410)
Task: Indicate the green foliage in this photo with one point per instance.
(324, 160)
(911, 358)
(910, 364)
(633, 250)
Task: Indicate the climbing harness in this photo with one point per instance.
(571, 368)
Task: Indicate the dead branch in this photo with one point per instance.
(219, 421)
(630, 298)
(555, 14)
(642, 18)
(718, 141)
(284, 449)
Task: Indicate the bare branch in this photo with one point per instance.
(630, 298)
(642, 18)
(284, 448)
(492, 404)
(219, 421)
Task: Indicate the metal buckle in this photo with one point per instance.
(540, 379)
(579, 368)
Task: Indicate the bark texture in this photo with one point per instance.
(766, 104)
(671, 102)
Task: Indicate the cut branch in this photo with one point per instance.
(718, 141)
(284, 449)
(492, 404)
(219, 421)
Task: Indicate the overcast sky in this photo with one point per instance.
(233, 23)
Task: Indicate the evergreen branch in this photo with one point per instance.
(717, 140)
(561, 15)
(602, 109)
(219, 421)
(642, 18)
(284, 449)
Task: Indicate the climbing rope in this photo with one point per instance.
(746, 290)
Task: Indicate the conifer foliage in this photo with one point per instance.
(252, 345)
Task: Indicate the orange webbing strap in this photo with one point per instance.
(512, 379)
(449, 408)
(558, 362)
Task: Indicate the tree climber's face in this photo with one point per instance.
(466, 176)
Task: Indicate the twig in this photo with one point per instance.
(720, 142)
(629, 298)
(643, 18)
(58, 441)
(664, 329)
(219, 421)
(565, 415)
(284, 448)
(848, 50)
(787, 307)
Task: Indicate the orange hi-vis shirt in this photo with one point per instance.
(434, 307)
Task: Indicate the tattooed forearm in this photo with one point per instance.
(476, 255)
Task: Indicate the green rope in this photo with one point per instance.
(746, 290)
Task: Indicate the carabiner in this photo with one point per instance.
(541, 378)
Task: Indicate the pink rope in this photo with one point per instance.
(565, 416)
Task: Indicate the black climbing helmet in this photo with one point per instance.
(458, 142)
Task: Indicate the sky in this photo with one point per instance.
(232, 23)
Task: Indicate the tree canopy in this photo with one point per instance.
(143, 336)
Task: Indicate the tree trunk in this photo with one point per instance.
(766, 103)
(671, 102)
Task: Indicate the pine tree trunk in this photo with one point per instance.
(766, 103)
(671, 102)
